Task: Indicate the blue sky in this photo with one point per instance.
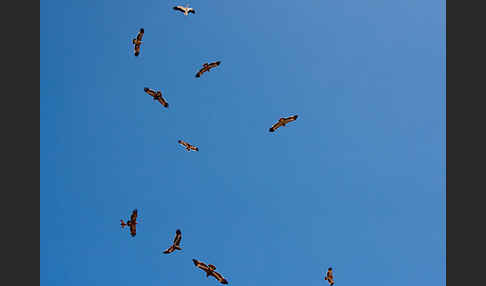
(356, 183)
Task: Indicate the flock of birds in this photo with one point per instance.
(209, 269)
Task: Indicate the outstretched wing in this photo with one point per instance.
(290, 119)
(178, 237)
(201, 71)
(163, 102)
(219, 277)
(201, 265)
(170, 249)
(133, 229)
(215, 64)
(179, 8)
(133, 217)
(275, 126)
(140, 34)
(149, 91)
(183, 143)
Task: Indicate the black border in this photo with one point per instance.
(464, 78)
(20, 132)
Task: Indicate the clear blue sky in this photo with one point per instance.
(356, 183)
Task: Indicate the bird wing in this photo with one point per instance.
(133, 229)
(183, 143)
(200, 264)
(219, 277)
(170, 249)
(140, 34)
(163, 102)
(149, 91)
(178, 237)
(275, 126)
(290, 119)
(134, 215)
(179, 8)
(202, 70)
(137, 49)
(215, 64)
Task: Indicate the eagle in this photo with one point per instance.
(177, 242)
(188, 146)
(132, 223)
(157, 95)
(186, 10)
(138, 41)
(207, 67)
(329, 277)
(282, 121)
(209, 269)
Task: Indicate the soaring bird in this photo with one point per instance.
(132, 223)
(177, 242)
(157, 95)
(282, 122)
(138, 41)
(207, 67)
(209, 269)
(188, 146)
(186, 10)
(329, 277)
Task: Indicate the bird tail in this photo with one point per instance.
(177, 247)
(122, 223)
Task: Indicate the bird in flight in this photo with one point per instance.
(209, 269)
(177, 242)
(157, 95)
(131, 223)
(138, 41)
(329, 277)
(186, 10)
(282, 122)
(207, 67)
(188, 146)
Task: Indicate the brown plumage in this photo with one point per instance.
(209, 269)
(132, 223)
(177, 242)
(157, 95)
(185, 10)
(188, 146)
(207, 67)
(282, 122)
(329, 276)
(138, 41)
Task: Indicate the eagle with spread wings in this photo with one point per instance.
(209, 269)
(329, 277)
(207, 67)
(132, 223)
(186, 10)
(282, 121)
(138, 41)
(177, 242)
(157, 95)
(188, 146)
